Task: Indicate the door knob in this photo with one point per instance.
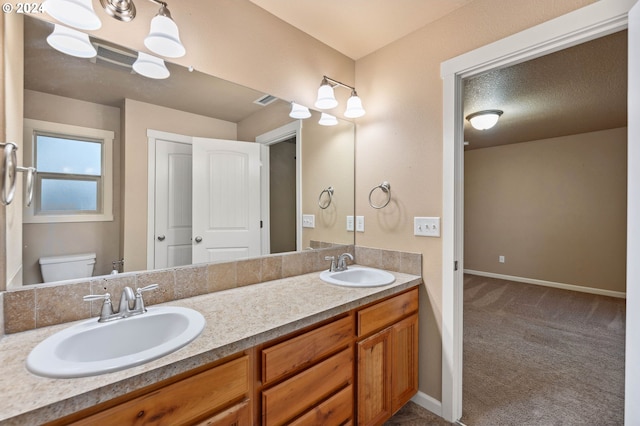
(161, 237)
(198, 239)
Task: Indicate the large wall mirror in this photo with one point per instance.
(162, 130)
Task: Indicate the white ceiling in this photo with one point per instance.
(359, 27)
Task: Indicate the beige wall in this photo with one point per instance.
(282, 197)
(55, 239)
(138, 117)
(400, 139)
(327, 160)
(556, 209)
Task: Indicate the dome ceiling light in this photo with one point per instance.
(483, 120)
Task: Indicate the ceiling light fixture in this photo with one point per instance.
(483, 120)
(72, 42)
(327, 120)
(299, 111)
(327, 100)
(150, 66)
(163, 38)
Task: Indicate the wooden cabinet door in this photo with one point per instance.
(374, 378)
(404, 361)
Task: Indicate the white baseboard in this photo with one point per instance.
(427, 402)
(618, 294)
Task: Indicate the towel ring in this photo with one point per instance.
(30, 171)
(386, 188)
(329, 192)
(8, 175)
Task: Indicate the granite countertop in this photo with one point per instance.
(237, 319)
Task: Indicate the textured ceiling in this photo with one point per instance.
(359, 27)
(577, 90)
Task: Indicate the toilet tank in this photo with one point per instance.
(58, 268)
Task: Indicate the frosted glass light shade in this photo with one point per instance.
(71, 42)
(326, 99)
(164, 38)
(299, 111)
(327, 120)
(483, 120)
(354, 107)
(75, 13)
(150, 66)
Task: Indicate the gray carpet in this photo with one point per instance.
(541, 356)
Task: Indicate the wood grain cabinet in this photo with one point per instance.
(387, 362)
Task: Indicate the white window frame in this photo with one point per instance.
(31, 127)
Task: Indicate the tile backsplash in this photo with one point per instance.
(42, 305)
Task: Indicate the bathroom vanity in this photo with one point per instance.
(289, 351)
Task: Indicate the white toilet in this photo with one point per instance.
(58, 268)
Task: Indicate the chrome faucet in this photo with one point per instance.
(127, 298)
(342, 262)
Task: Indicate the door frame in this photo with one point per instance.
(270, 138)
(152, 135)
(595, 20)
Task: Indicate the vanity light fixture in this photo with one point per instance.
(72, 42)
(163, 38)
(327, 100)
(483, 120)
(299, 111)
(327, 120)
(150, 66)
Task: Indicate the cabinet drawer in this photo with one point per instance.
(183, 401)
(385, 313)
(306, 349)
(305, 390)
(238, 415)
(334, 411)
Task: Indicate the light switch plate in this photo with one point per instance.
(308, 221)
(350, 223)
(360, 223)
(426, 226)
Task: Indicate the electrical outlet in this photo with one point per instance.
(350, 223)
(308, 221)
(501, 259)
(360, 223)
(426, 226)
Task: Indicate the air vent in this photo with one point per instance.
(109, 56)
(265, 100)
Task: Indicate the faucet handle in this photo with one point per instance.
(332, 268)
(139, 304)
(90, 297)
(107, 307)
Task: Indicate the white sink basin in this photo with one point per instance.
(358, 276)
(91, 348)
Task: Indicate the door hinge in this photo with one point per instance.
(455, 265)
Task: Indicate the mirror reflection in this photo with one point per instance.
(193, 168)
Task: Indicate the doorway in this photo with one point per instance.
(601, 18)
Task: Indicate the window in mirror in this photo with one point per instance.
(69, 175)
(74, 178)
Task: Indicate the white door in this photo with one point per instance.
(172, 232)
(632, 356)
(226, 200)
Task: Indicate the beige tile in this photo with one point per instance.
(411, 263)
(221, 276)
(249, 272)
(271, 268)
(166, 284)
(191, 281)
(62, 303)
(292, 264)
(309, 259)
(368, 256)
(19, 310)
(390, 260)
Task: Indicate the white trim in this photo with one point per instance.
(427, 402)
(595, 20)
(107, 136)
(152, 136)
(563, 286)
(272, 137)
